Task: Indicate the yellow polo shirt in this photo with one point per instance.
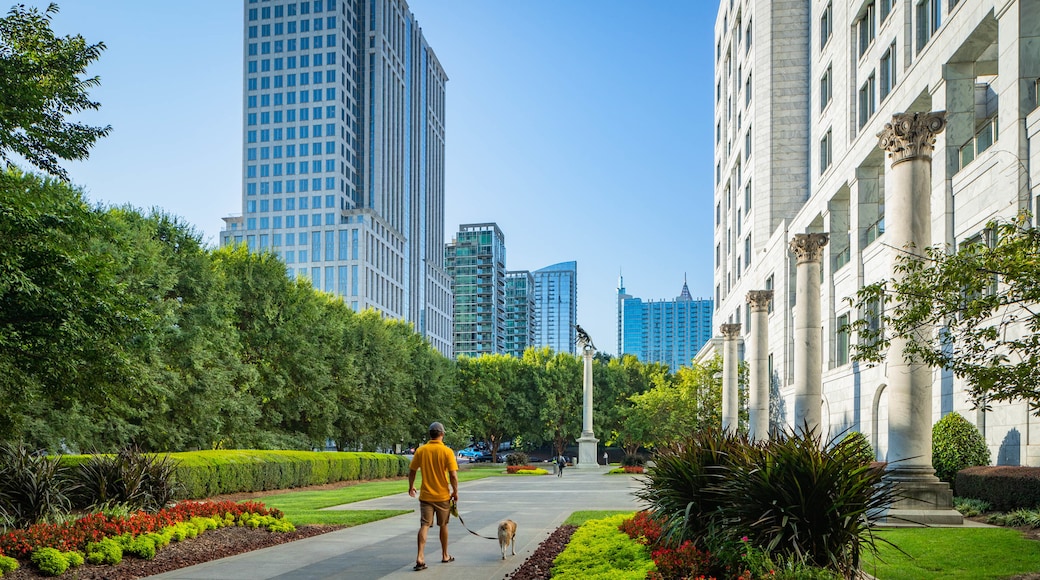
(434, 460)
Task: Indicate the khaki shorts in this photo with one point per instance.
(428, 508)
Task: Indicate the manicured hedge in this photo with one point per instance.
(1005, 487)
(202, 474)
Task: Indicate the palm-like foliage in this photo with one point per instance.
(32, 486)
(795, 497)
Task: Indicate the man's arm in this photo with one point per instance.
(453, 476)
(411, 482)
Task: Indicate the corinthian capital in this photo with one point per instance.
(911, 135)
(808, 247)
(730, 331)
(759, 299)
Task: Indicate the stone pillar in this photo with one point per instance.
(909, 140)
(730, 396)
(808, 333)
(758, 370)
(587, 456)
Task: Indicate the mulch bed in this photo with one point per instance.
(538, 566)
(212, 545)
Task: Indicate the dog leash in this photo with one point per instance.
(455, 512)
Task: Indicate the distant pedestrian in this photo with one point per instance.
(605, 458)
(439, 471)
(561, 462)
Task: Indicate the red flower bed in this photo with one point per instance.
(633, 468)
(94, 527)
(685, 562)
(515, 468)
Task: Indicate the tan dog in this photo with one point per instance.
(507, 536)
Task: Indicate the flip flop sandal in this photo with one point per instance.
(419, 566)
(450, 559)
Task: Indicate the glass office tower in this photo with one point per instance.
(663, 331)
(476, 262)
(343, 155)
(556, 306)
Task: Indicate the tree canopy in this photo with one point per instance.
(42, 82)
(973, 311)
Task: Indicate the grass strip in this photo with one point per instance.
(975, 553)
(306, 507)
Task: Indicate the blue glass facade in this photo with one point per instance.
(343, 154)
(556, 306)
(665, 331)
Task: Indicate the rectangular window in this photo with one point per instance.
(747, 144)
(929, 17)
(826, 25)
(747, 197)
(886, 9)
(826, 88)
(841, 340)
(865, 27)
(825, 151)
(888, 71)
(867, 101)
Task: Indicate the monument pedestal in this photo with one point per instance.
(588, 457)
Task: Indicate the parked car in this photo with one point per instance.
(468, 453)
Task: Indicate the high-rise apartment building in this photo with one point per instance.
(663, 331)
(520, 309)
(802, 90)
(476, 262)
(343, 155)
(556, 306)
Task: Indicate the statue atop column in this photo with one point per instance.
(584, 341)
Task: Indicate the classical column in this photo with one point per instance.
(758, 370)
(909, 140)
(730, 396)
(808, 332)
(587, 455)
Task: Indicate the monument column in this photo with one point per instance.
(730, 396)
(758, 371)
(909, 140)
(808, 332)
(588, 458)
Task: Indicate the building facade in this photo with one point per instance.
(343, 155)
(520, 309)
(556, 306)
(476, 263)
(802, 90)
(670, 332)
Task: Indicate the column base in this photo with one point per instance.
(587, 451)
(923, 500)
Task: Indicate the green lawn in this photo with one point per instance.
(305, 507)
(974, 553)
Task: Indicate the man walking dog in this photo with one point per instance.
(440, 487)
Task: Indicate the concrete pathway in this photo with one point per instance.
(386, 549)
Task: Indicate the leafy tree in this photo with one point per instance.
(559, 393)
(616, 380)
(41, 83)
(487, 387)
(982, 301)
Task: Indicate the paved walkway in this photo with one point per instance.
(386, 549)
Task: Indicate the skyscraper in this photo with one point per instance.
(556, 306)
(476, 262)
(663, 331)
(343, 155)
(520, 321)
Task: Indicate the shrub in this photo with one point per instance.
(7, 565)
(643, 528)
(860, 446)
(518, 468)
(1005, 487)
(796, 497)
(142, 546)
(956, 444)
(50, 561)
(107, 551)
(517, 458)
(1017, 518)
(685, 561)
(32, 486)
(129, 479)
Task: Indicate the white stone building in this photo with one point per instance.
(802, 89)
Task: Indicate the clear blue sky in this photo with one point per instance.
(582, 127)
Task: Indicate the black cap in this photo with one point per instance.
(436, 427)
